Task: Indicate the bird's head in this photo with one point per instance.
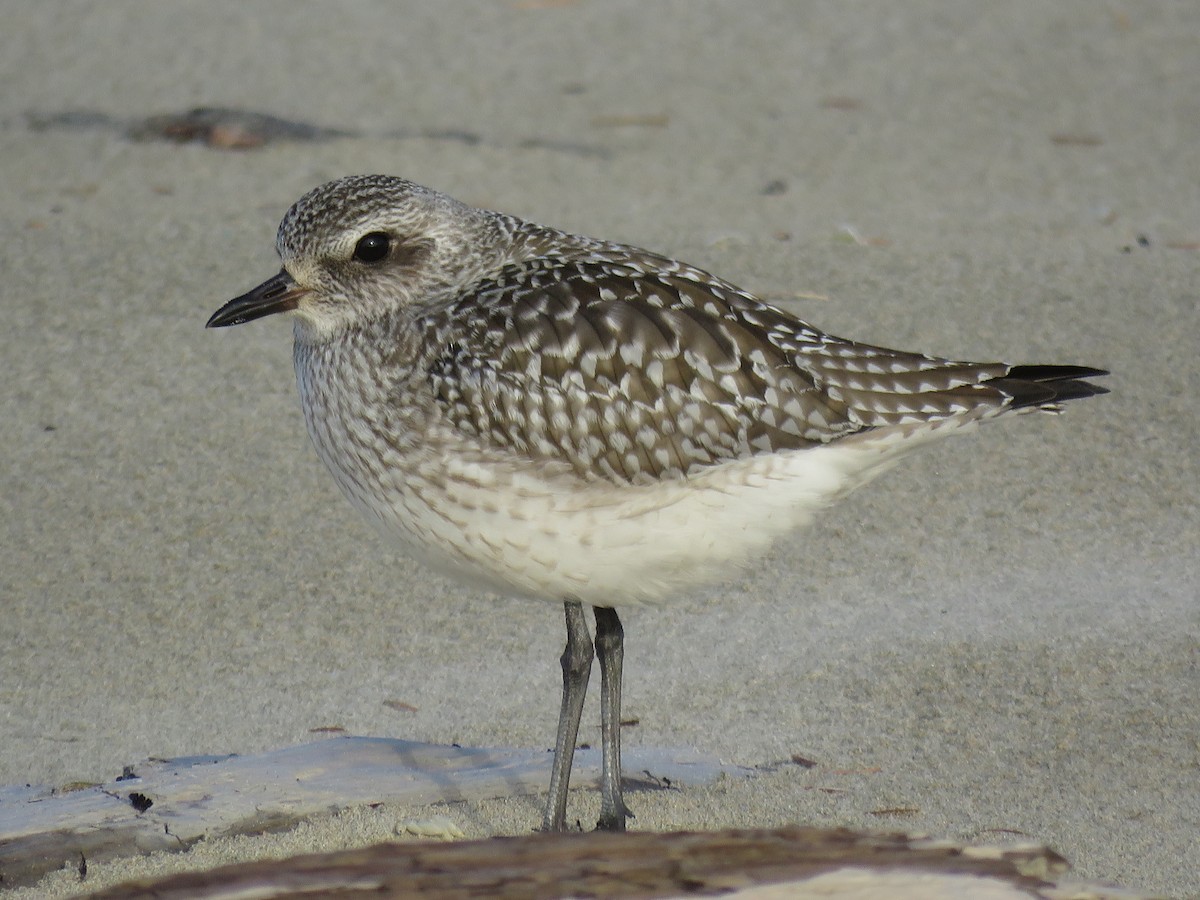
(358, 247)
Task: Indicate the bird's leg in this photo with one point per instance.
(610, 646)
(576, 666)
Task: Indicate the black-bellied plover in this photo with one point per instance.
(582, 421)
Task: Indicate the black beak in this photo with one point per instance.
(275, 295)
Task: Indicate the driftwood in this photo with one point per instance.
(790, 862)
(171, 804)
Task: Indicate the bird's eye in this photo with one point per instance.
(373, 247)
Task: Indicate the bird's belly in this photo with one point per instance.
(521, 527)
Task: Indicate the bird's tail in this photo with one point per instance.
(1048, 386)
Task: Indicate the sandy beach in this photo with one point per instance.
(1000, 638)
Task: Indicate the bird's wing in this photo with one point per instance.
(640, 368)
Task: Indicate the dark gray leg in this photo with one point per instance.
(576, 666)
(610, 646)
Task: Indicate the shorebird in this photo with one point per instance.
(581, 421)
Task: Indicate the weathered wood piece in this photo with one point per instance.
(789, 862)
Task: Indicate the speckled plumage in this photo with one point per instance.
(583, 421)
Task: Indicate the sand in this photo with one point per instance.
(1000, 636)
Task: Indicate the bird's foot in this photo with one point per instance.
(614, 821)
